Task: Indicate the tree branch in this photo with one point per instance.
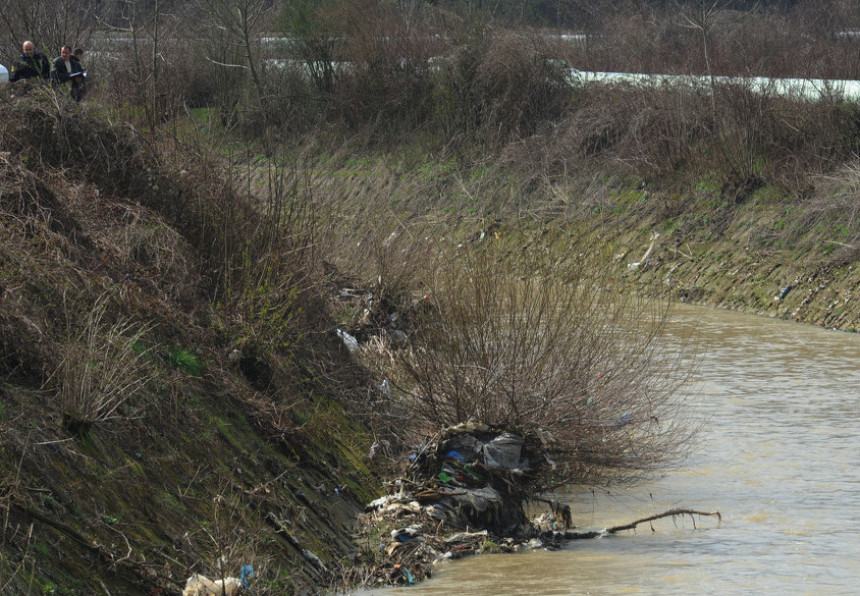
(632, 525)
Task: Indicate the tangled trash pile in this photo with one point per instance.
(461, 494)
(466, 493)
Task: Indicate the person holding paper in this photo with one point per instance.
(67, 68)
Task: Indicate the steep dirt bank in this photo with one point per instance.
(812, 280)
(144, 434)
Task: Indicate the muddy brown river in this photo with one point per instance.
(779, 457)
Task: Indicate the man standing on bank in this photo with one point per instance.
(30, 65)
(68, 68)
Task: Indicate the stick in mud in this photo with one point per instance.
(632, 525)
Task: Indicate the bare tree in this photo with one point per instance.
(137, 33)
(586, 367)
(700, 15)
(234, 27)
(49, 23)
(703, 16)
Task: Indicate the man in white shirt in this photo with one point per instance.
(68, 68)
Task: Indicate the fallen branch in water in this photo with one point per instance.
(632, 525)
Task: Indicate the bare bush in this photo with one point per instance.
(670, 133)
(499, 87)
(651, 131)
(384, 85)
(582, 365)
(231, 541)
(835, 207)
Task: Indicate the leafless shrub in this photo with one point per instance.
(274, 272)
(671, 134)
(289, 105)
(383, 81)
(499, 87)
(232, 539)
(652, 132)
(835, 206)
(583, 364)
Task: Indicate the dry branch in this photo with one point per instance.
(632, 525)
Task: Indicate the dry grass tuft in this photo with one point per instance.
(104, 366)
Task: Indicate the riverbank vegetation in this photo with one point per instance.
(185, 252)
(457, 97)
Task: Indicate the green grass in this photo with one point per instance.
(186, 361)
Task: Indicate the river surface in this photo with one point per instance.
(778, 457)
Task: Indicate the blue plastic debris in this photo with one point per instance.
(404, 534)
(247, 571)
(455, 455)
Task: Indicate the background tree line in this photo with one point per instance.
(449, 75)
(69, 21)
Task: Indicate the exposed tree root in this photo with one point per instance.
(632, 525)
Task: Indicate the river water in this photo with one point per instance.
(778, 457)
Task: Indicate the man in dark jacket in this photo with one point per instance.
(68, 68)
(30, 65)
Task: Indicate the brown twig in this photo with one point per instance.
(632, 525)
